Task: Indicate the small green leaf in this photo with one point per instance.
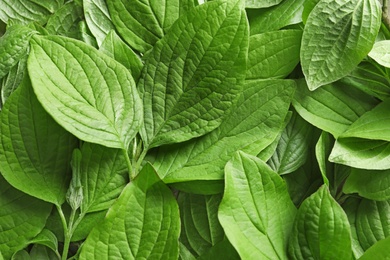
(74, 195)
(114, 47)
(12, 80)
(321, 229)
(350, 207)
(381, 53)
(261, 3)
(307, 8)
(88, 93)
(254, 195)
(273, 54)
(201, 60)
(35, 152)
(46, 238)
(380, 250)
(336, 38)
(22, 218)
(142, 223)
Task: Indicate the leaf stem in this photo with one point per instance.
(128, 162)
(385, 14)
(66, 231)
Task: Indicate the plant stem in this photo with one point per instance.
(128, 162)
(66, 231)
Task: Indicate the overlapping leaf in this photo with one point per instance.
(261, 3)
(381, 53)
(89, 94)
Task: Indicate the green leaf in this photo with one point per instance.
(142, 23)
(273, 54)
(12, 80)
(307, 8)
(13, 46)
(321, 229)
(103, 176)
(65, 20)
(114, 47)
(272, 19)
(22, 218)
(381, 53)
(21, 255)
(98, 19)
(336, 38)
(222, 250)
(200, 226)
(323, 149)
(46, 238)
(250, 188)
(261, 3)
(332, 108)
(35, 151)
(293, 147)
(142, 223)
(370, 184)
(253, 124)
(42, 252)
(372, 222)
(350, 207)
(89, 94)
(380, 250)
(191, 68)
(25, 12)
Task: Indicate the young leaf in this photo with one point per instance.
(261, 3)
(381, 53)
(370, 184)
(89, 94)
(12, 80)
(114, 47)
(98, 19)
(253, 124)
(103, 176)
(35, 152)
(273, 54)
(321, 229)
(194, 74)
(277, 17)
(256, 211)
(142, 23)
(13, 46)
(142, 223)
(22, 218)
(380, 250)
(336, 38)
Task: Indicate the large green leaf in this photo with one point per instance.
(88, 93)
(35, 152)
(321, 229)
(370, 184)
(380, 250)
(253, 124)
(273, 54)
(142, 223)
(381, 53)
(25, 11)
(22, 218)
(98, 19)
(261, 3)
(256, 211)
(332, 108)
(13, 46)
(103, 173)
(194, 74)
(142, 23)
(336, 38)
(274, 18)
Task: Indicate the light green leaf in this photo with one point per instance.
(88, 93)
(142, 223)
(381, 53)
(332, 108)
(253, 124)
(273, 54)
(46, 238)
(370, 184)
(350, 207)
(380, 250)
(321, 229)
(25, 12)
(336, 38)
(114, 47)
(22, 218)
(250, 188)
(261, 3)
(272, 19)
(12, 80)
(103, 176)
(323, 149)
(200, 60)
(35, 152)
(372, 222)
(65, 20)
(98, 19)
(200, 226)
(293, 147)
(13, 46)
(142, 23)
